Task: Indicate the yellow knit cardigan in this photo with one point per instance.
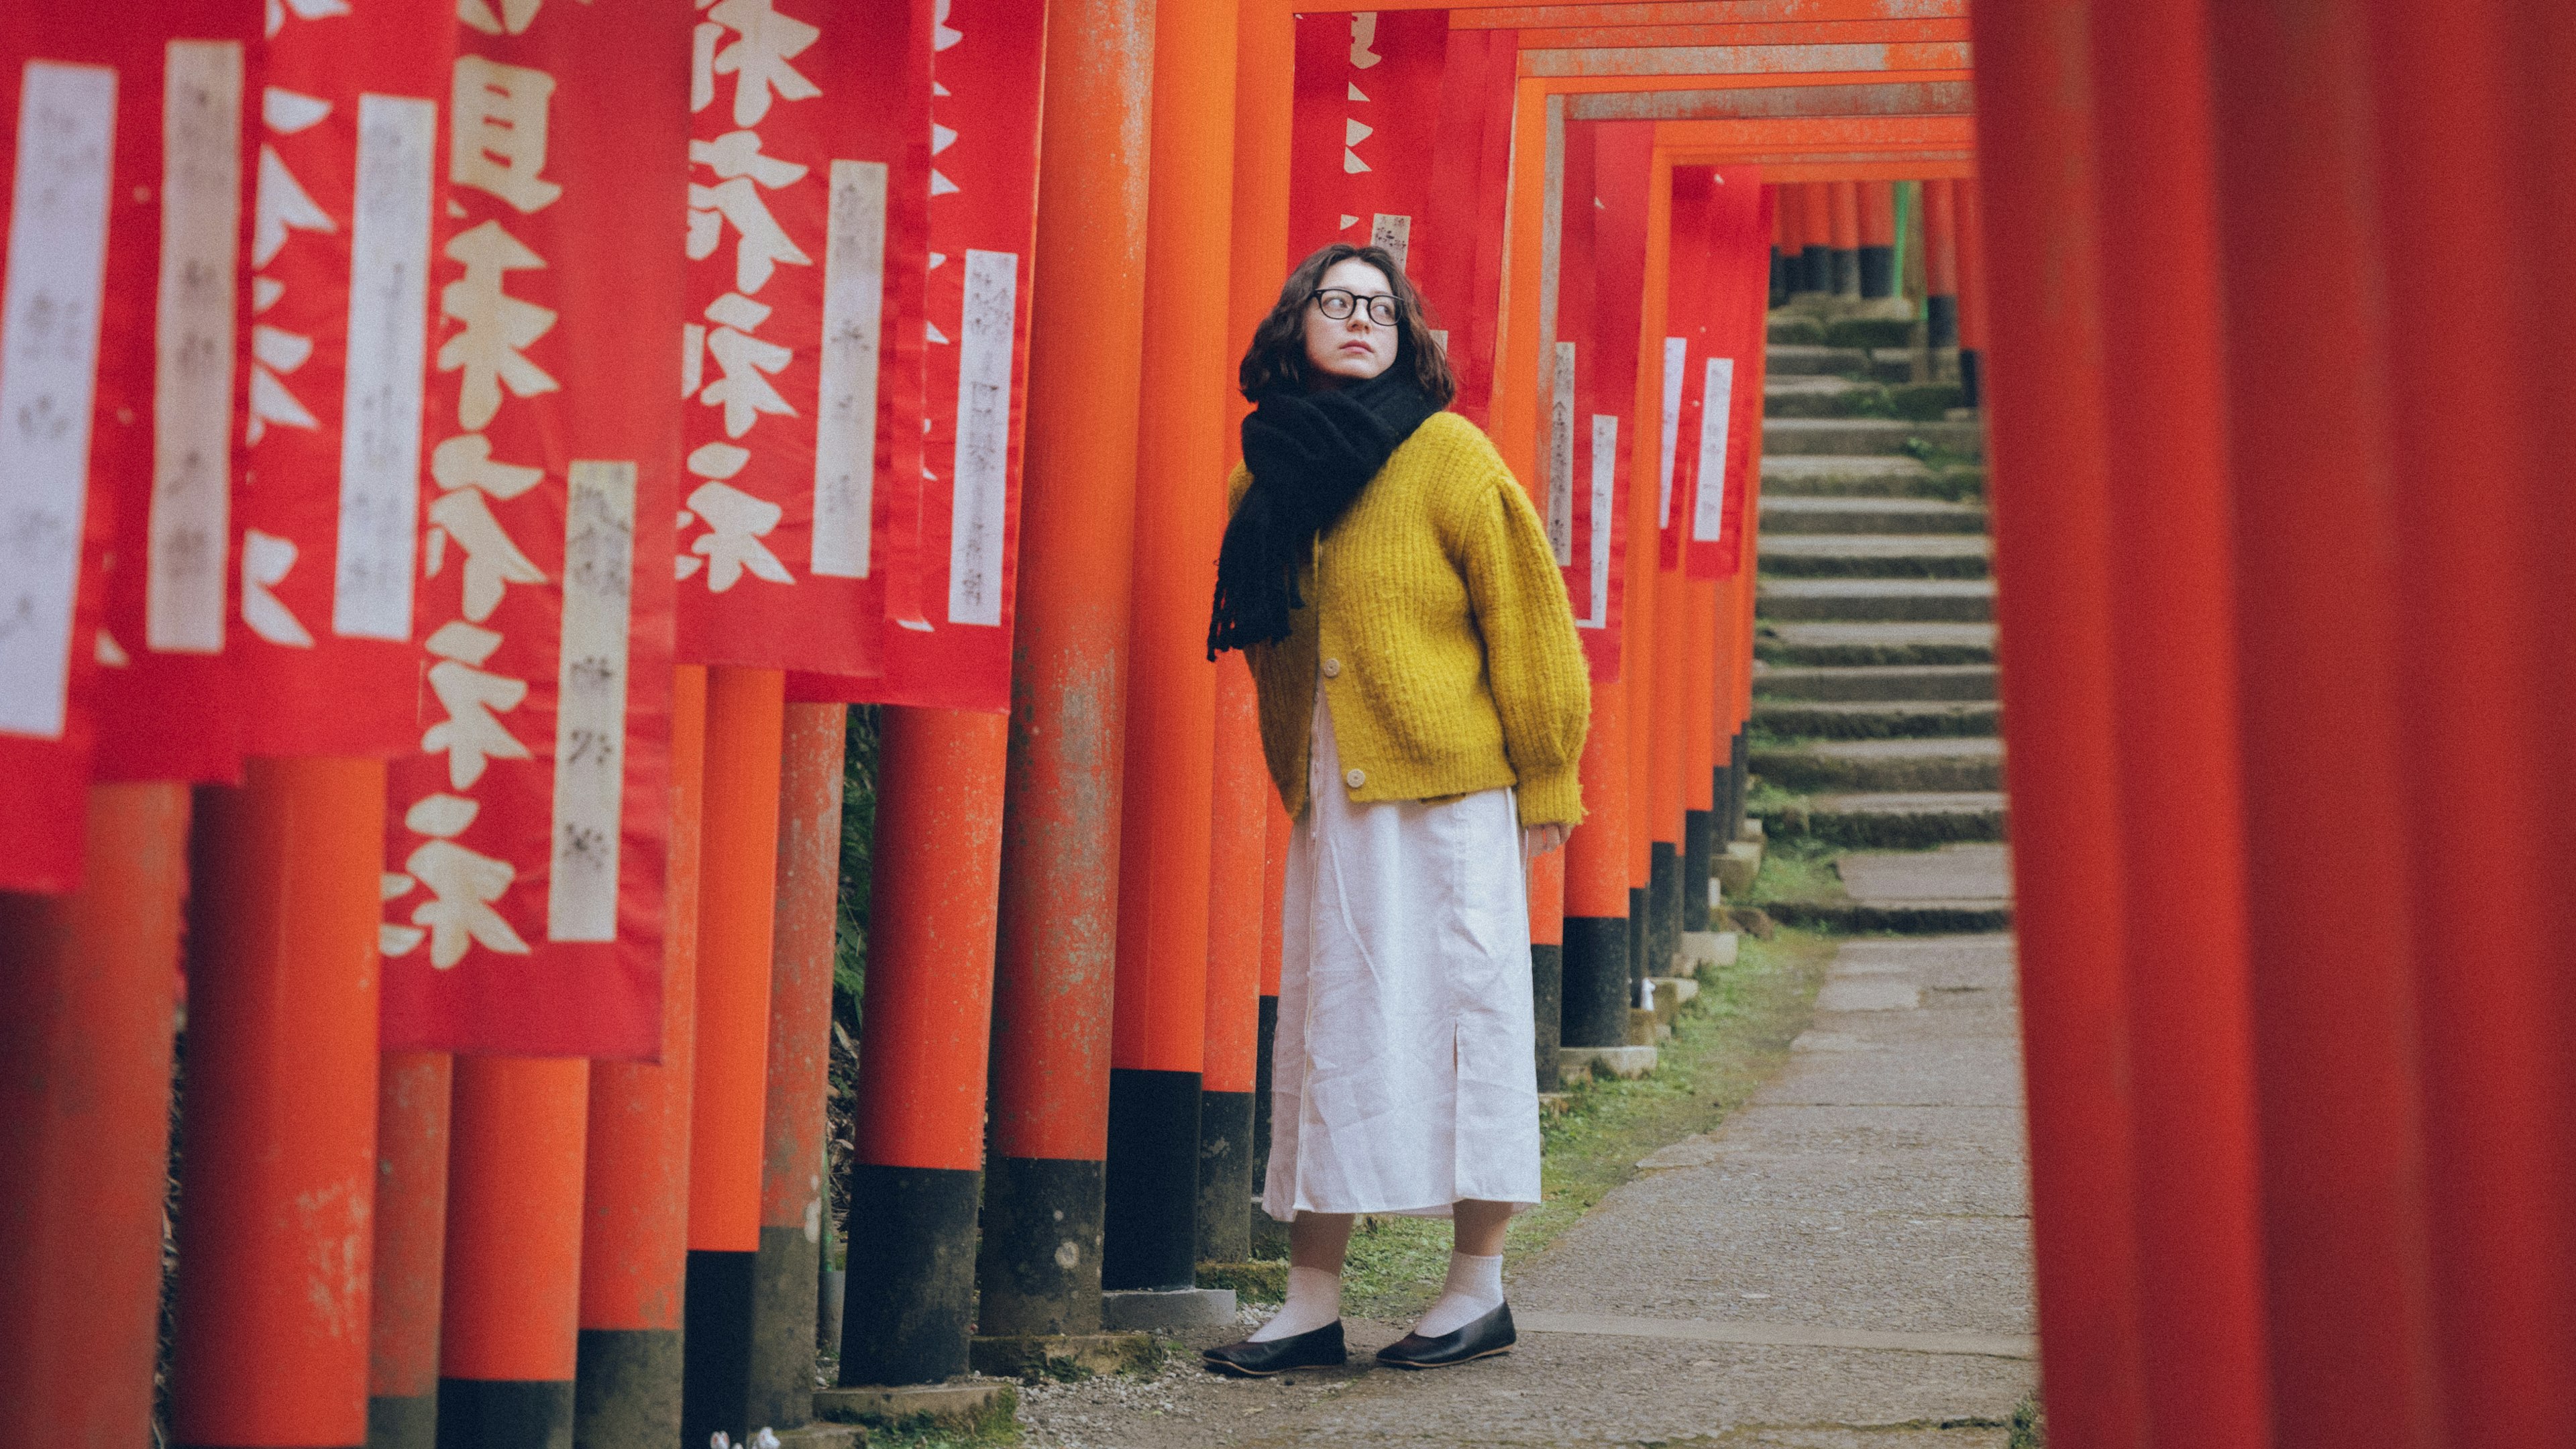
(1438, 622)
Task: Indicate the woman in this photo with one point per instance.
(1423, 704)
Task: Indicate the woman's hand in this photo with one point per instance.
(1538, 840)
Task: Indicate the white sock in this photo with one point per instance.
(1314, 1299)
(1474, 1289)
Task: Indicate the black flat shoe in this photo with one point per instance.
(1315, 1348)
(1487, 1336)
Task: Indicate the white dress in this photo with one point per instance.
(1403, 1076)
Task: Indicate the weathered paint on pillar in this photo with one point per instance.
(410, 1250)
(2053, 608)
(635, 1182)
(917, 1170)
(279, 1175)
(2199, 1225)
(87, 1002)
(787, 1278)
(1040, 1268)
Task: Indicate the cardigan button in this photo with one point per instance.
(1332, 669)
(1355, 778)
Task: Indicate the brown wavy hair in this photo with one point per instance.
(1277, 357)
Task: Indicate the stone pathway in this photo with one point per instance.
(1843, 1265)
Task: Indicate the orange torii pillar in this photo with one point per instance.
(1710, 682)
(737, 889)
(1941, 263)
(1648, 464)
(786, 1281)
(1877, 201)
(635, 1183)
(2199, 1229)
(1845, 201)
(279, 1173)
(2053, 557)
(509, 1323)
(1243, 913)
(1039, 1268)
(1594, 993)
(916, 1175)
(87, 1002)
(410, 1248)
(1158, 1034)
(1238, 835)
(1269, 1236)
(1666, 806)
(1816, 214)
(1971, 229)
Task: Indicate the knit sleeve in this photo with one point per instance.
(1542, 687)
(1237, 483)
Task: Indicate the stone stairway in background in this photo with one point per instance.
(1875, 723)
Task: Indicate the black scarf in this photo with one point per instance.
(1310, 454)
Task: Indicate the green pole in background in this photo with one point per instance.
(1905, 211)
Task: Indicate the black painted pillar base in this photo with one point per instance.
(1225, 1177)
(1846, 272)
(786, 1280)
(1941, 320)
(715, 1385)
(1037, 1262)
(1739, 787)
(1972, 382)
(1878, 271)
(1151, 1219)
(1699, 832)
(505, 1414)
(909, 1305)
(1268, 1030)
(1597, 976)
(1664, 907)
(626, 1388)
(1816, 270)
(403, 1423)
(1547, 1002)
(1640, 930)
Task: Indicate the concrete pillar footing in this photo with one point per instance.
(963, 1405)
(1626, 1062)
(1063, 1355)
(1167, 1308)
(1683, 988)
(1706, 948)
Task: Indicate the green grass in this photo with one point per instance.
(1726, 1044)
(2029, 1426)
(1800, 869)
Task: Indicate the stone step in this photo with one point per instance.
(1845, 646)
(1875, 556)
(1846, 516)
(1843, 397)
(1795, 329)
(1872, 475)
(1945, 683)
(1868, 435)
(1879, 601)
(1917, 918)
(1814, 359)
(1908, 821)
(1915, 765)
(1799, 719)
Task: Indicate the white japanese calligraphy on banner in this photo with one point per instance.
(192, 403)
(1717, 407)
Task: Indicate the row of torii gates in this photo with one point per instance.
(2284, 590)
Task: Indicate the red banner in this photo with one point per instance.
(523, 894)
(788, 211)
(175, 326)
(1365, 129)
(350, 185)
(87, 106)
(1736, 299)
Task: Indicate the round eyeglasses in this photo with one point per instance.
(1338, 305)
